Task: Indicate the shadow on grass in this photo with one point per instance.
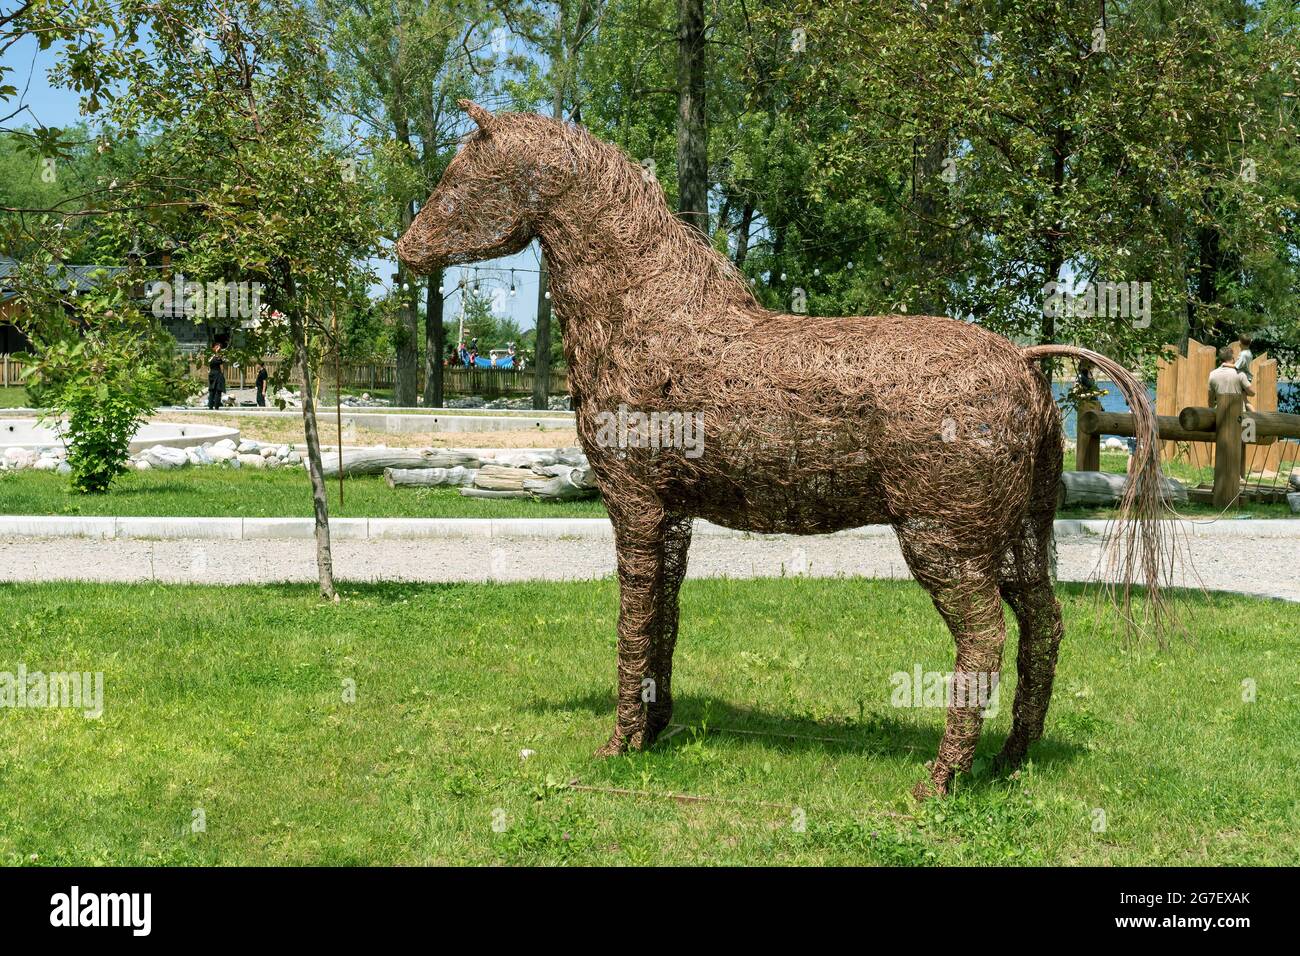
(874, 734)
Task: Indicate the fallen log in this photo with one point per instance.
(571, 456)
(373, 461)
(1105, 488)
(522, 458)
(502, 478)
(569, 484)
(429, 477)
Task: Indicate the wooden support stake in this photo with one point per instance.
(1087, 446)
(1227, 451)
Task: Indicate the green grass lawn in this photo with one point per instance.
(230, 701)
(217, 492)
(285, 492)
(13, 396)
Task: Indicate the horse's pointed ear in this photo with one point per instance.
(477, 113)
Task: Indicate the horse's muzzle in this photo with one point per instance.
(415, 252)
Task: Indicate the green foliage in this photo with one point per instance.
(98, 361)
(830, 152)
(105, 392)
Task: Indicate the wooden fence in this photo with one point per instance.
(1183, 382)
(485, 382)
(10, 371)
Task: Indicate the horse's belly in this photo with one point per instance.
(778, 502)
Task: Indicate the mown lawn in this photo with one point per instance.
(224, 492)
(284, 492)
(13, 396)
(230, 701)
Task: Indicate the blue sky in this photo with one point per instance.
(46, 105)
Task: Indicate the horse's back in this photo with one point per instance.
(817, 424)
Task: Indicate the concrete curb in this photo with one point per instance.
(355, 529)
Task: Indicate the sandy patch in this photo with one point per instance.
(290, 431)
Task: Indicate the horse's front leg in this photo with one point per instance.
(652, 548)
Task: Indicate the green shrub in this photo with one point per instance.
(105, 382)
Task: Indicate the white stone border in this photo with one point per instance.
(163, 528)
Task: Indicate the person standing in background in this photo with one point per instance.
(216, 377)
(1227, 379)
(1244, 358)
(260, 384)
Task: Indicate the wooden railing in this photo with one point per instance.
(1229, 429)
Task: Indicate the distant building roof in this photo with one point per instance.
(71, 278)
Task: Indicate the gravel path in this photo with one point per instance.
(1263, 566)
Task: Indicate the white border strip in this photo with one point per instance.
(278, 529)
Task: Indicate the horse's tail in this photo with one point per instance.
(1140, 545)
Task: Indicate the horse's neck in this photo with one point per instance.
(617, 284)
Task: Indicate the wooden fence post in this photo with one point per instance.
(1087, 444)
(1227, 450)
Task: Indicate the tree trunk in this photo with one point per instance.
(1205, 324)
(692, 136)
(320, 499)
(742, 233)
(406, 384)
(435, 342)
(542, 360)
(929, 255)
(1053, 243)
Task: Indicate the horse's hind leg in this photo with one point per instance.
(677, 541)
(651, 549)
(1025, 578)
(1026, 584)
(1039, 618)
(966, 595)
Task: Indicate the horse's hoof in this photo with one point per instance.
(1010, 758)
(617, 744)
(928, 790)
(936, 786)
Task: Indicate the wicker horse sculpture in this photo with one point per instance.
(799, 424)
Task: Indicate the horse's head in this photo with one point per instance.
(492, 195)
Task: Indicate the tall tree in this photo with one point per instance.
(692, 134)
(403, 65)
